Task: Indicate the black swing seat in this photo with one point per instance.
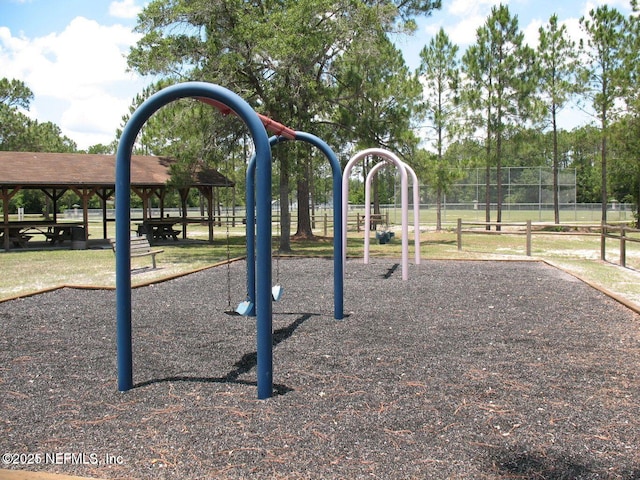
(384, 236)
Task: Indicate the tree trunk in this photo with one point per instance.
(499, 182)
(375, 193)
(285, 217)
(304, 218)
(604, 177)
(638, 208)
(499, 131)
(312, 193)
(438, 208)
(556, 161)
(605, 127)
(487, 193)
(438, 168)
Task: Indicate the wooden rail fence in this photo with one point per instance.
(528, 229)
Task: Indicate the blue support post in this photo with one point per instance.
(250, 201)
(338, 267)
(205, 91)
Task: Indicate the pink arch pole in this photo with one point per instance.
(416, 209)
(404, 200)
(416, 212)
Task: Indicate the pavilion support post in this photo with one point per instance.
(206, 193)
(54, 195)
(217, 207)
(209, 195)
(104, 195)
(7, 193)
(233, 206)
(144, 194)
(160, 193)
(103, 199)
(184, 196)
(85, 194)
(5, 211)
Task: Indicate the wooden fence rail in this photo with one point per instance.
(617, 231)
(325, 220)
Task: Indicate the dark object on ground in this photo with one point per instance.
(384, 236)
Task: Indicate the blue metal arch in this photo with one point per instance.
(263, 227)
(338, 266)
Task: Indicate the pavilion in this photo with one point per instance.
(91, 174)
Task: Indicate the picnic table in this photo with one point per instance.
(159, 228)
(55, 233)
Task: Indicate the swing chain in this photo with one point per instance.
(228, 268)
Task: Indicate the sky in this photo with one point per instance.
(72, 53)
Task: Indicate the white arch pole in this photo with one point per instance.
(404, 195)
(416, 209)
(416, 212)
(367, 210)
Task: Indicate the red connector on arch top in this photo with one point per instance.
(269, 124)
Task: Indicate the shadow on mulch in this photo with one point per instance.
(551, 467)
(243, 366)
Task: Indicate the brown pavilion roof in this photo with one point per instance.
(39, 169)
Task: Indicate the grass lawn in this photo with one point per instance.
(31, 270)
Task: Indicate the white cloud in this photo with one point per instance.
(83, 56)
(532, 32)
(124, 9)
(465, 8)
(461, 33)
(94, 116)
(468, 16)
(574, 30)
(464, 32)
(82, 71)
(622, 5)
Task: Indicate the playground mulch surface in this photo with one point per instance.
(469, 369)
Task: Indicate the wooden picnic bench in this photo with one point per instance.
(140, 247)
(16, 239)
(159, 229)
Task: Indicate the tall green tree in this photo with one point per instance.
(279, 56)
(440, 71)
(14, 95)
(604, 75)
(501, 75)
(377, 98)
(18, 132)
(558, 62)
(583, 152)
(625, 174)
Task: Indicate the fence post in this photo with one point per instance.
(603, 241)
(358, 221)
(528, 238)
(326, 230)
(459, 234)
(623, 247)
